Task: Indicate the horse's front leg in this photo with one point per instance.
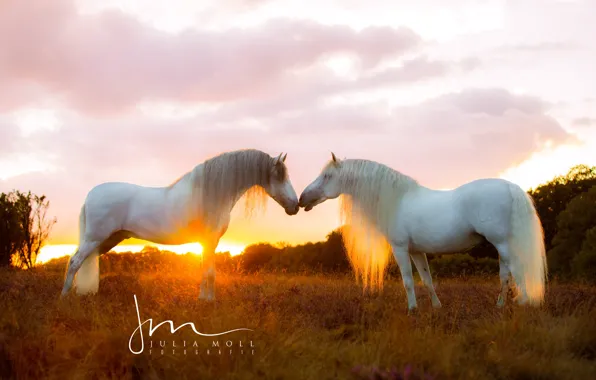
(405, 267)
(208, 282)
(421, 263)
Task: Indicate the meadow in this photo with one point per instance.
(304, 327)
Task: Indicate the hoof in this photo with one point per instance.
(437, 305)
(500, 302)
(207, 297)
(413, 311)
(64, 292)
(521, 300)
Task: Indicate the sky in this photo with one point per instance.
(142, 91)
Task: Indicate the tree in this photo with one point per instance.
(572, 225)
(10, 232)
(553, 197)
(31, 217)
(483, 250)
(334, 256)
(584, 263)
(256, 256)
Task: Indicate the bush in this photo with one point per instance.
(584, 264)
(573, 224)
(462, 264)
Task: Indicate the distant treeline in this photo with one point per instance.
(329, 257)
(566, 206)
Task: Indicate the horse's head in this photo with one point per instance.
(325, 186)
(279, 187)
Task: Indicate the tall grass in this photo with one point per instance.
(305, 327)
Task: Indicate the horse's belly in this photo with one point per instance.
(175, 235)
(449, 237)
(446, 244)
(165, 239)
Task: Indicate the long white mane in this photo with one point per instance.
(217, 183)
(371, 196)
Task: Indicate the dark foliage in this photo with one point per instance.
(24, 228)
(553, 197)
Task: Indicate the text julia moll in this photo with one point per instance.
(215, 347)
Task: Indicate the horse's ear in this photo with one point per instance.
(336, 160)
(278, 159)
(283, 159)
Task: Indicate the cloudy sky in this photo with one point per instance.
(142, 91)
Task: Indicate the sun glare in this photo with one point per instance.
(545, 165)
(55, 251)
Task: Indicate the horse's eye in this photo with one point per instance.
(327, 176)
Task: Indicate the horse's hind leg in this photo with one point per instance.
(85, 250)
(89, 251)
(504, 272)
(421, 263)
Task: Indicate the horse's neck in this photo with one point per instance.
(381, 210)
(195, 181)
(180, 198)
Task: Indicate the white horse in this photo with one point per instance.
(386, 211)
(196, 208)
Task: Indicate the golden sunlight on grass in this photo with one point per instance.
(322, 327)
(55, 251)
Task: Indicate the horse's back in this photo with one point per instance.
(486, 192)
(111, 193)
(108, 205)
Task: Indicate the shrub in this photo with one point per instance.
(462, 264)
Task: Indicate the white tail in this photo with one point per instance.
(528, 258)
(87, 278)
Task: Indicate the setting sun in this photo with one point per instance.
(55, 251)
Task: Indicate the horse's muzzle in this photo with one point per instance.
(292, 210)
(303, 202)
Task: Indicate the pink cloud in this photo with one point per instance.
(111, 61)
(8, 137)
(544, 46)
(320, 83)
(584, 121)
(475, 124)
(495, 101)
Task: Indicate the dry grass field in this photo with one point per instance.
(304, 327)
